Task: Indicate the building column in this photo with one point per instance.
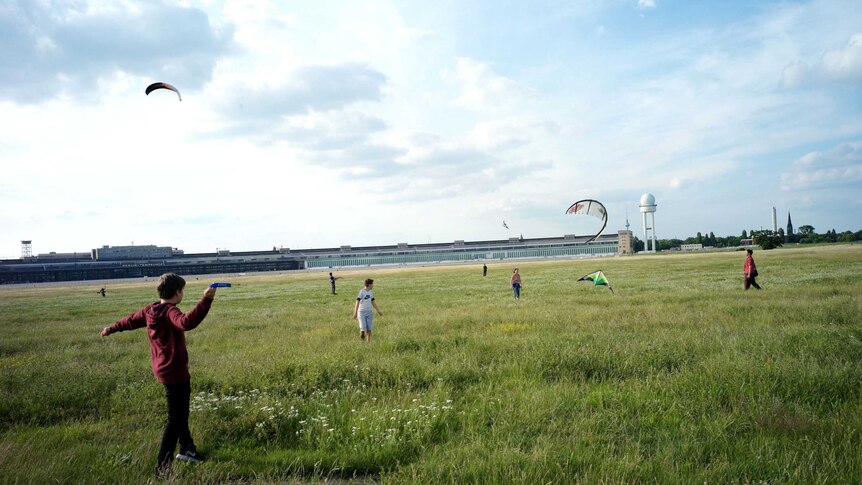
(646, 241)
(654, 240)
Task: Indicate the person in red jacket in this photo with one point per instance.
(166, 327)
(749, 271)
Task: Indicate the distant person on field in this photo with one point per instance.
(484, 270)
(332, 282)
(749, 271)
(363, 312)
(516, 283)
(102, 292)
(166, 327)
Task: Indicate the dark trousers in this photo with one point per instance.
(516, 288)
(177, 424)
(333, 288)
(749, 281)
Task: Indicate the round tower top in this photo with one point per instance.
(647, 203)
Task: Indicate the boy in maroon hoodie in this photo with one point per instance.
(166, 327)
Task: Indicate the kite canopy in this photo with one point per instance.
(590, 207)
(154, 86)
(598, 278)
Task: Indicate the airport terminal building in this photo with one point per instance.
(151, 261)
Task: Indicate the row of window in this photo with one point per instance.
(443, 257)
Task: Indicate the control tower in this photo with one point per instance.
(26, 249)
(648, 206)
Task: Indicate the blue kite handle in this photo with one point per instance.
(220, 285)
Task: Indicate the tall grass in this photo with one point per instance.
(678, 377)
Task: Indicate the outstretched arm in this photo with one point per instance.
(130, 322)
(192, 319)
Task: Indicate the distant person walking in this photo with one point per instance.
(166, 328)
(484, 270)
(749, 271)
(516, 283)
(332, 282)
(102, 292)
(362, 310)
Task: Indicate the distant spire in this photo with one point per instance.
(627, 217)
(789, 233)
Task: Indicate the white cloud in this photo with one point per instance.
(413, 113)
(52, 49)
(482, 89)
(843, 65)
(645, 4)
(839, 167)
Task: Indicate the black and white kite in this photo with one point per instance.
(154, 86)
(593, 208)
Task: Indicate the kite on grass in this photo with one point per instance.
(598, 278)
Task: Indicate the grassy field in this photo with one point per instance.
(679, 377)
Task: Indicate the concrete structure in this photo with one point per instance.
(26, 249)
(648, 206)
(113, 253)
(774, 222)
(77, 266)
(625, 241)
(460, 251)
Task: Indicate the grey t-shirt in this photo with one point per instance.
(365, 298)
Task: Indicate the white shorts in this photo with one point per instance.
(365, 320)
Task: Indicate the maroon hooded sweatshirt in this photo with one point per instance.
(166, 326)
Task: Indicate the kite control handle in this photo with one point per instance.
(220, 285)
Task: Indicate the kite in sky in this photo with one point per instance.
(593, 208)
(504, 225)
(598, 278)
(154, 86)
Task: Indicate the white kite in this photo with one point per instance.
(593, 208)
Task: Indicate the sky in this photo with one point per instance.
(310, 124)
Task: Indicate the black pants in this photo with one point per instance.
(333, 288)
(748, 281)
(177, 424)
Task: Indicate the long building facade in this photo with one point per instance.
(151, 261)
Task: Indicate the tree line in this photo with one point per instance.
(766, 239)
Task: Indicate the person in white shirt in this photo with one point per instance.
(362, 310)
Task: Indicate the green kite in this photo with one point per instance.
(598, 278)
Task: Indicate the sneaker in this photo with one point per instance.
(191, 456)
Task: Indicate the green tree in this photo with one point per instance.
(699, 238)
(767, 240)
(845, 236)
(744, 234)
(805, 230)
